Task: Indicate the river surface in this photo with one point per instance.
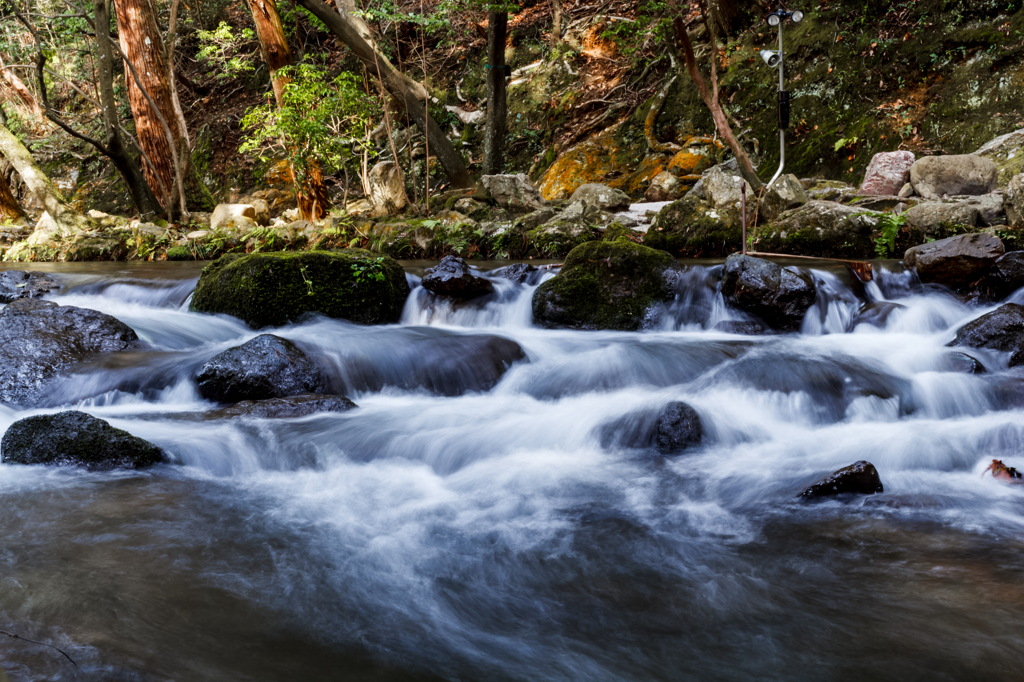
(511, 534)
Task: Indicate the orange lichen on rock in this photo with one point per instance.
(687, 163)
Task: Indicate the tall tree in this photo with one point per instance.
(395, 84)
(313, 198)
(497, 111)
(160, 127)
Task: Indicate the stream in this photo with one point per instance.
(514, 533)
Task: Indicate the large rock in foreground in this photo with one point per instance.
(956, 261)
(17, 284)
(40, 339)
(779, 296)
(1002, 330)
(860, 478)
(75, 438)
(606, 285)
(273, 289)
(452, 277)
(937, 176)
(265, 367)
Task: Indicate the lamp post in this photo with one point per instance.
(775, 59)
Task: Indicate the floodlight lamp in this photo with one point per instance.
(773, 19)
(771, 58)
(797, 16)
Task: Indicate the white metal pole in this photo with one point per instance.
(782, 131)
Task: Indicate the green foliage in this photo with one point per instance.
(229, 53)
(368, 270)
(264, 239)
(889, 227)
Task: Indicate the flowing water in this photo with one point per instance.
(447, 530)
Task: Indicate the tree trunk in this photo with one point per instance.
(556, 22)
(23, 92)
(494, 137)
(10, 209)
(141, 46)
(710, 97)
(450, 160)
(347, 9)
(69, 220)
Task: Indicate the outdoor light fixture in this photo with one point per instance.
(774, 58)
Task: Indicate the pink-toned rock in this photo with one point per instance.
(887, 173)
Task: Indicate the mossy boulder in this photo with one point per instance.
(75, 439)
(559, 237)
(820, 228)
(179, 253)
(606, 285)
(273, 289)
(689, 228)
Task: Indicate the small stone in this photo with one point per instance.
(198, 234)
(860, 478)
(906, 191)
(452, 277)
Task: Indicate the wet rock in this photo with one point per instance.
(264, 367)
(962, 363)
(1006, 276)
(17, 284)
(75, 439)
(689, 228)
(1014, 202)
(1002, 330)
(860, 478)
(937, 176)
(887, 173)
(606, 285)
(272, 289)
(779, 296)
(820, 228)
(603, 197)
(955, 261)
(679, 427)
(929, 217)
(787, 193)
(664, 187)
(519, 273)
(387, 188)
(40, 340)
(745, 327)
(286, 408)
(875, 314)
(452, 277)
(513, 192)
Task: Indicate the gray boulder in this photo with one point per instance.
(1014, 201)
(16, 284)
(1007, 152)
(860, 478)
(927, 217)
(820, 228)
(40, 340)
(513, 192)
(887, 173)
(602, 196)
(937, 176)
(536, 218)
(664, 187)
(75, 439)
(452, 277)
(779, 296)
(264, 367)
(722, 189)
(787, 193)
(1001, 330)
(956, 261)
(991, 209)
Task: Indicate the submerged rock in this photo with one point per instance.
(17, 284)
(520, 273)
(40, 339)
(264, 367)
(679, 427)
(875, 314)
(287, 408)
(779, 296)
(955, 261)
(670, 430)
(452, 277)
(606, 285)
(962, 363)
(273, 289)
(860, 478)
(1002, 330)
(75, 439)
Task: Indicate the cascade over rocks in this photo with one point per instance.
(860, 478)
(936, 176)
(261, 368)
(513, 192)
(875, 313)
(17, 284)
(670, 430)
(887, 173)
(602, 196)
(1001, 330)
(956, 261)
(40, 340)
(286, 408)
(452, 277)
(75, 439)
(520, 273)
(273, 289)
(606, 285)
(779, 296)
(679, 427)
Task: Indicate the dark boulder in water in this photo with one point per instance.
(40, 339)
(452, 277)
(674, 428)
(520, 273)
(18, 284)
(955, 261)
(962, 363)
(1002, 330)
(679, 427)
(860, 478)
(287, 408)
(744, 327)
(273, 289)
(75, 439)
(779, 296)
(606, 285)
(264, 367)
(1006, 276)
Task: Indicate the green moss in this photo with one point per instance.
(179, 253)
(272, 289)
(686, 228)
(616, 231)
(556, 239)
(605, 285)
